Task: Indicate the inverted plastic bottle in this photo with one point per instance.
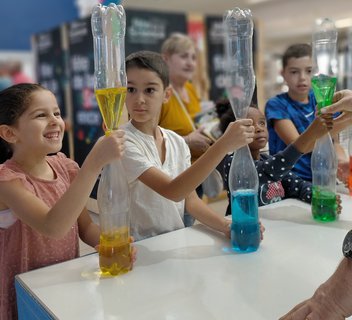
(324, 56)
(243, 178)
(108, 28)
(324, 161)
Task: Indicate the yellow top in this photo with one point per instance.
(174, 118)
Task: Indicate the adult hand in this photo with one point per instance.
(198, 142)
(342, 102)
(331, 301)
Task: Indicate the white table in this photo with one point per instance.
(191, 274)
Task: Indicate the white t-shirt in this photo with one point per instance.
(151, 214)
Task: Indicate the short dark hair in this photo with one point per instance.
(14, 101)
(149, 60)
(298, 50)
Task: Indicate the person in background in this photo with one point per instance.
(157, 161)
(289, 114)
(17, 74)
(178, 113)
(276, 179)
(42, 198)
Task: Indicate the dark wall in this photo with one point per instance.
(20, 19)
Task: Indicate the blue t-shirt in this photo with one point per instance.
(302, 115)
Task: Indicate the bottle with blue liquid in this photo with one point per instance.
(243, 177)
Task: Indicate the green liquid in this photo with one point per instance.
(323, 205)
(324, 88)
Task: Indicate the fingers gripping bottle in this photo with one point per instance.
(324, 160)
(108, 28)
(243, 178)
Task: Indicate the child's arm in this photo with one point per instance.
(238, 134)
(203, 213)
(319, 127)
(89, 232)
(296, 187)
(286, 130)
(56, 221)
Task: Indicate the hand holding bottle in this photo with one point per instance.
(238, 134)
(341, 102)
(107, 149)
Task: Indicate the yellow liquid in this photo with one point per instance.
(111, 101)
(115, 252)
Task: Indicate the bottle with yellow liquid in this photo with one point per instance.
(108, 28)
(113, 203)
(111, 102)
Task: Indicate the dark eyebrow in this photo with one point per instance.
(147, 84)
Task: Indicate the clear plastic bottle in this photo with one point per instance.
(324, 167)
(243, 177)
(324, 54)
(114, 205)
(108, 28)
(324, 160)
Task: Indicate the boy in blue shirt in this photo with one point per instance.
(289, 114)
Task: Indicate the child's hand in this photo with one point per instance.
(343, 170)
(338, 202)
(321, 125)
(262, 229)
(238, 134)
(108, 148)
(133, 253)
(227, 228)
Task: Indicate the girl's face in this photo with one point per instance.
(145, 96)
(182, 65)
(260, 131)
(40, 128)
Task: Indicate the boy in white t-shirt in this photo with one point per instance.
(157, 161)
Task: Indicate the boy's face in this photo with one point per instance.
(297, 75)
(260, 131)
(145, 95)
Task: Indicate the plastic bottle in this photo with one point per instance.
(243, 177)
(108, 28)
(324, 167)
(324, 160)
(324, 56)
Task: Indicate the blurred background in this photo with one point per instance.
(50, 42)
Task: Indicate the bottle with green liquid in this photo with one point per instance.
(324, 160)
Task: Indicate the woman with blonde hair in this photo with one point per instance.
(178, 113)
(179, 53)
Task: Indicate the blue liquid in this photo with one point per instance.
(245, 230)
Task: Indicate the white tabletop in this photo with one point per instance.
(192, 274)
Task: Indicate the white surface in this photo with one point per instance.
(188, 274)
